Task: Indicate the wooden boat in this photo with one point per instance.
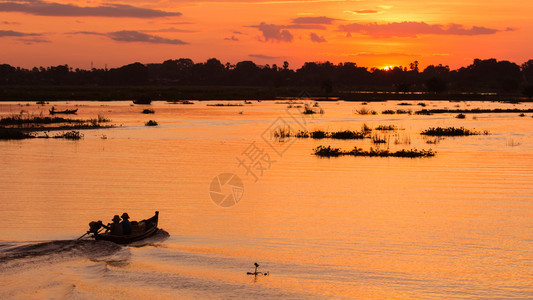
(66, 111)
(140, 231)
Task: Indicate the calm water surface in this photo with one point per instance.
(454, 226)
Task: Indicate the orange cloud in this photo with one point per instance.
(42, 8)
(317, 39)
(414, 29)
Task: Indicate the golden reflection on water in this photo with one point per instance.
(455, 225)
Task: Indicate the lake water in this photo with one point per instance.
(454, 226)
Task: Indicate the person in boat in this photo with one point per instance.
(116, 227)
(126, 224)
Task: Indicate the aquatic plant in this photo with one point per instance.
(318, 134)
(522, 115)
(472, 111)
(386, 127)
(347, 135)
(151, 123)
(281, 133)
(388, 112)
(452, 131)
(422, 104)
(148, 111)
(460, 116)
(14, 134)
(402, 140)
(366, 129)
(378, 140)
(403, 112)
(328, 151)
(69, 135)
(365, 111)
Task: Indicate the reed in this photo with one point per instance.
(226, 104)
(378, 140)
(151, 123)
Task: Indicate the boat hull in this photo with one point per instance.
(151, 229)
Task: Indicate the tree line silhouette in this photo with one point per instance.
(488, 75)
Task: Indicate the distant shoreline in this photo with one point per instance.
(229, 93)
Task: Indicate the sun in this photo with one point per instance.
(387, 68)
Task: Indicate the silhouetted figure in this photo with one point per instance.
(126, 225)
(115, 228)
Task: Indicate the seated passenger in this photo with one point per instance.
(126, 225)
(115, 227)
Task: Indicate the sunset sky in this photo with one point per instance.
(370, 33)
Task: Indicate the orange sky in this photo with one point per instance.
(370, 33)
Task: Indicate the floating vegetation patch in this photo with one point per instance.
(151, 123)
(403, 112)
(422, 104)
(386, 127)
(472, 111)
(328, 151)
(388, 112)
(365, 111)
(405, 104)
(69, 135)
(461, 116)
(452, 131)
(308, 110)
(148, 111)
(39, 122)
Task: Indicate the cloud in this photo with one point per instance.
(232, 38)
(29, 41)
(366, 11)
(414, 29)
(272, 32)
(8, 33)
(261, 56)
(136, 36)
(42, 8)
(317, 39)
(9, 23)
(133, 36)
(391, 54)
(171, 29)
(313, 20)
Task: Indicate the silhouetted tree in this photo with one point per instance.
(436, 85)
(528, 91)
